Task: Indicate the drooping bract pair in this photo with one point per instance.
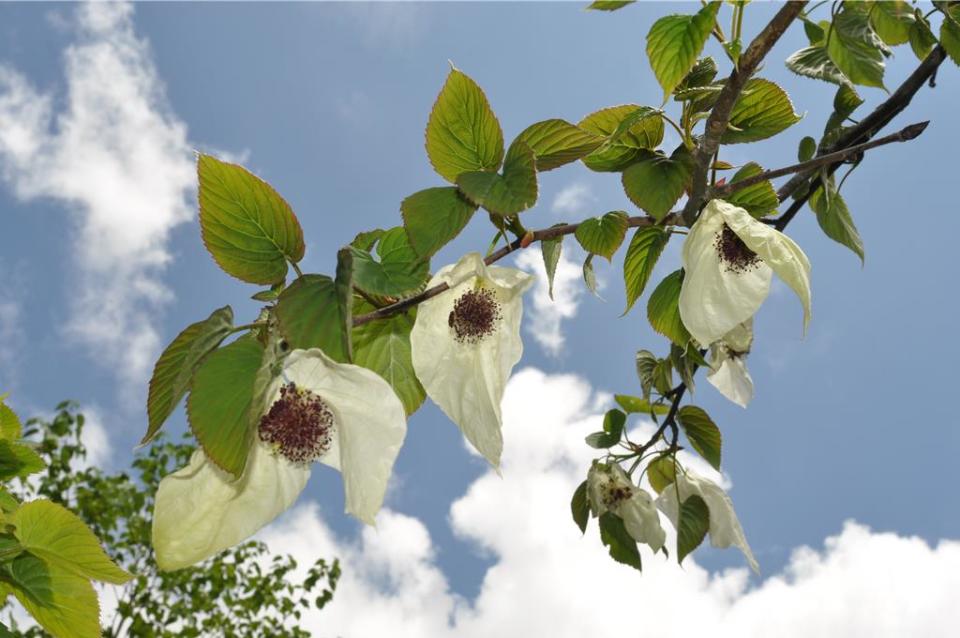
(465, 343)
(729, 259)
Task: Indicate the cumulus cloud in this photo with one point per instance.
(547, 580)
(545, 315)
(118, 159)
(573, 199)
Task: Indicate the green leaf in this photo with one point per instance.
(701, 74)
(400, 270)
(220, 398)
(343, 287)
(845, 102)
(589, 276)
(950, 33)
(662, 472)
(703, 433)
(558, 142)
(636, 405)
(684, 363)
(10, 427)
(579, 507)
(550, 249)
(835, 219)
(176, 366)
(270, 294)
(635, 143)
(701, 98)
(608, 5)
(311, 315)
(631, 120)
(656, 183)
(808, 148)
(921, 36)
(621, 545)
(463, 134)
(433, 217)
(646, 365)
(814, 62)
(762, 110)
(507, 194)
(645, 249)
(815, 32)
(63, 603)
(250, 230)
(891, 20)
(17, 460)
(614, 422)
(8, 503)
(663, 309)
(367, 239)
(601, 440)
(663, 375)
(692, 526)
(760, 199)
(61, 538)
(384, 347)
(603, 235)
(674, 43)
(855, 48)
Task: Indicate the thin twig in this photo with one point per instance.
(836, 157)
(864, 130)
(719, 117)
(541, 235)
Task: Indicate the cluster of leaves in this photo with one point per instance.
(365, 311)
(246, 591)
(848, 50)
(48, 556)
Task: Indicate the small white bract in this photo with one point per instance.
(725, 529)
(609, 489)
(728, 363)
(729, 259)
(466, 341)
(341, 415)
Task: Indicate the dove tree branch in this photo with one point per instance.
(836, 157)
(865, 129)
(719, 117)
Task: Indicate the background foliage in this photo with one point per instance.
(245, 591)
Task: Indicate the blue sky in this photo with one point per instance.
(99, 112)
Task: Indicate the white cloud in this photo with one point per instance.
(573, 200)
(118, 158)
(95, 439)
(545, 315)
(549, 581)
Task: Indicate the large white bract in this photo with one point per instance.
(609, 489)
(725, 529)
(341, 415)
(465, 343)
(728, 364)
(729, 259)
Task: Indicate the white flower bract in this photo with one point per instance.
(725, 529)
(201, 510)
(610, 489)
(466, 376)
(716, 295)
(728, 363)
